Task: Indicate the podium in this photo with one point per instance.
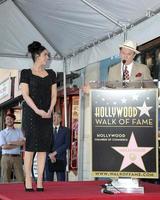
(124, 134)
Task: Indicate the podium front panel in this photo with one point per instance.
(124, 132)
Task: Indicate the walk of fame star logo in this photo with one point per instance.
(132, 153)
(144, 110)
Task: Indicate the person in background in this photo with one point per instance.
(11, 140)
(137, 75)
(39, 91)
(127, 73)
(56, 160)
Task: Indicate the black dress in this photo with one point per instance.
(37, 130)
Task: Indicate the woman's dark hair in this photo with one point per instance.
(35, 48)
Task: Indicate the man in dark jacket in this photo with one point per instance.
(57, 160)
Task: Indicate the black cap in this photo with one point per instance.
(11, 115)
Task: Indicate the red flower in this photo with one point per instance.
(139, 74)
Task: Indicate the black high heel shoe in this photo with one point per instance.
(28, 189)
(40, 189)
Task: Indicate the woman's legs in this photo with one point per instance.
(41, 158)
(28, 158)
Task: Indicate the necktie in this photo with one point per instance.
(55, 132)
(126, 74)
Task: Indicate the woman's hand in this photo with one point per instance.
(43, 113)
(49, 112)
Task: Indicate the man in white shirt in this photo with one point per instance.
(11, 139)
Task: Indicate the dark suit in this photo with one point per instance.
(60, 145)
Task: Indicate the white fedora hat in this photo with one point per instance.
(130, 45)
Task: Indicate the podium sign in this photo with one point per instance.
(124, 133)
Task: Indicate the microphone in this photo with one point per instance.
(105, 190)
(123, 61)
(123, 79)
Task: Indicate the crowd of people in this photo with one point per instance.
(12, 142)
(42, 130)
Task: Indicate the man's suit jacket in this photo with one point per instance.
(61, 142)
(140, 76)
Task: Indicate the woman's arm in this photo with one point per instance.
(25, 93)
(53, 98)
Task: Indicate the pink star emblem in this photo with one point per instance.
(132, 153)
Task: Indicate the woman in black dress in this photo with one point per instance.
(39, 91)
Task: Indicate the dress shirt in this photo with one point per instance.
(10, 134)
(129, 68)
(57, 126)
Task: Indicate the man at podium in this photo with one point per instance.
(127, 72)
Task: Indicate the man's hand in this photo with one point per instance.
(86, 89)
(9, 146)
(52, 156)
(17, 143)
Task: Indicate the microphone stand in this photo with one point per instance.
(123, 78)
